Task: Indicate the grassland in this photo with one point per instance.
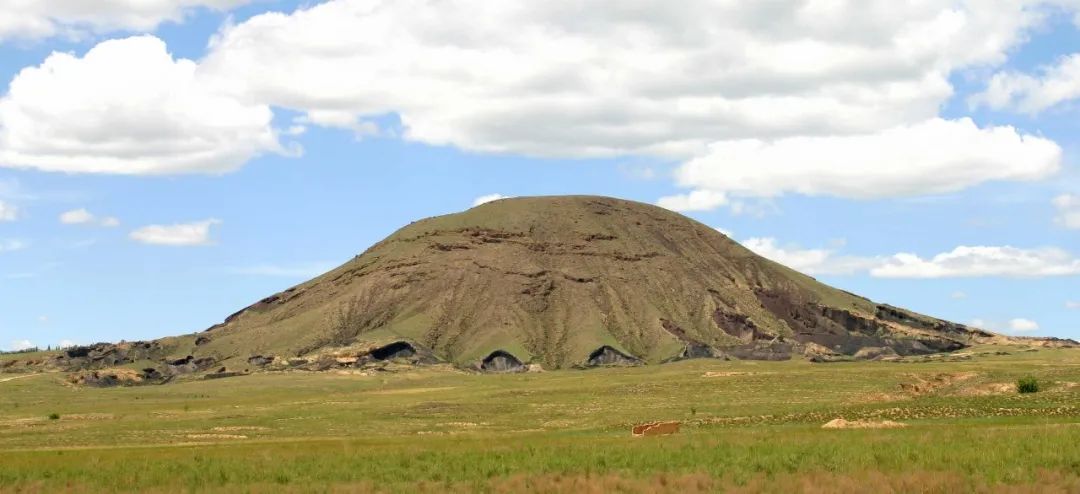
(748, 426)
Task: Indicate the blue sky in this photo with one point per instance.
(164, 166)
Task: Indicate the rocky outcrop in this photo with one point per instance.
(108, 378)
(771, 350)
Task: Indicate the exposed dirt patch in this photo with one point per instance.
(988, 389)
(921, 384)
(862, 424)
(216, 436)
(352, 373)
(240, 428)
(656, 429)
(883, 397)
(88, 416)
(462, 425)
(733, 373)
(409, 391)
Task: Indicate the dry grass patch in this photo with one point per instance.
(862, 424)
(216, 436)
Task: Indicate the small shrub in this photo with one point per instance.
(1027, 385)
(54, 416)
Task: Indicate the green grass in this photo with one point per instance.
(757, 426)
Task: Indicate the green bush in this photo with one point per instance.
(1027, 385)
(54, 416)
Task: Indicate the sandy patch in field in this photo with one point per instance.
(733, 373)
(862, 424)
(879, 397)
(175, 414)
(23, 422)
(437, 433)
(988, 389)
(352, 373)
(923, 384)
(88, 416)
(21, 376)
(216, 436)
(409, 391)
(240, 428)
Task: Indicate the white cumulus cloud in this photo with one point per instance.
(698, 200)
(934, 156)
(127, 107)
(810, 261)
(18, 345)
(961, 262)
(644, 78)
(83, 217)
(8, 212)
(1072, 304)
(1021, 325)
(1015, 325)
(30, 19)
(1068, 210)
(972, 261)
(1050, 86)
(179, 235)
(696, 82)
(488, 198)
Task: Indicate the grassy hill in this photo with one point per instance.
(553, 279)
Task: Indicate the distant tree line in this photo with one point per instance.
(24, 350)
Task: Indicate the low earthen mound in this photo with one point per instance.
(862, 424)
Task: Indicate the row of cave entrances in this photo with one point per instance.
(502, 360)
